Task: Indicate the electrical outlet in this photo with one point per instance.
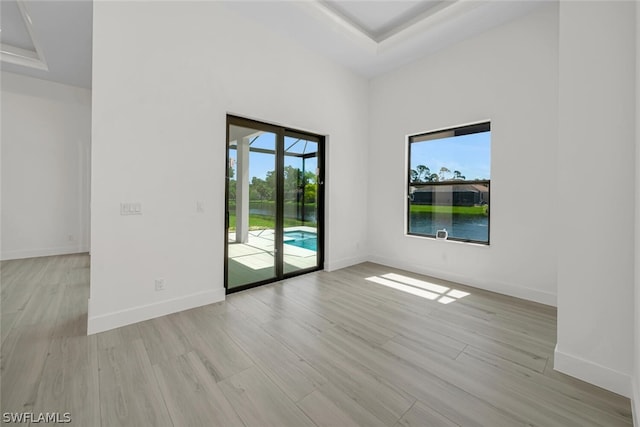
(160, 285)
(71, 238)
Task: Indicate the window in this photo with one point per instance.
(448, 183)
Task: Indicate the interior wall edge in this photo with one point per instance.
(343, 263)
(594, 373)
(635, 402)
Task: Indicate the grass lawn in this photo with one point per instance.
(466, 210)
(261, 222)
(264, 203)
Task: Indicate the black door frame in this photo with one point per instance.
(280, 132)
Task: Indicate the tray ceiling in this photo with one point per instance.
(368, 36)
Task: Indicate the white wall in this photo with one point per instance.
(46, 140)
(164, 79)
(636, 377)
(596, 164)
(509, 76)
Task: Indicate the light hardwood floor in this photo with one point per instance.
(325, 349)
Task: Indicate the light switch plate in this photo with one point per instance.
(134, 208)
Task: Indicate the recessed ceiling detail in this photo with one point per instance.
(372, 37)
(19, 45)
(381, 19)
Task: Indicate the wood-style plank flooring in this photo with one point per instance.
(346, 348)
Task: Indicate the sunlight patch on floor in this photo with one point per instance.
(420, 288)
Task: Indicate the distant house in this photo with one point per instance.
(452, 195)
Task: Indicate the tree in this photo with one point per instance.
(423, 173)
(270, 180)
(310, 193)
(230, 169)
(420, 174)
(232, 189)
(458, 175)
(443, 170)
(292, 179)
(260, 189)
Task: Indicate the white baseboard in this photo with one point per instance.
(593, 373)
(343, 263)
(35, 253)
(116, 319)
(535, 295)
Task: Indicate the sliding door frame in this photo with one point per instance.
(281, 132)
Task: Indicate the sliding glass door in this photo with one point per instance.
(274, 203)
(251, 205)
(301, 192)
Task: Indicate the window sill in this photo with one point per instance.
(460, 242)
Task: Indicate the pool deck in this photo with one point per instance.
(254, 260)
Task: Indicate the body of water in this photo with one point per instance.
(301, 239)
(460, 226)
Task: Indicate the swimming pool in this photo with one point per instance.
(301, 239)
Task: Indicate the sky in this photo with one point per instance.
(261, 163)
(469, 154)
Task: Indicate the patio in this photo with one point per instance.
(255, 261)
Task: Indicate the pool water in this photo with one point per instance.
(301, 239)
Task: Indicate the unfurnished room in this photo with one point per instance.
(320, 213)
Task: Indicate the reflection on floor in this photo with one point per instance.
(254, 261)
